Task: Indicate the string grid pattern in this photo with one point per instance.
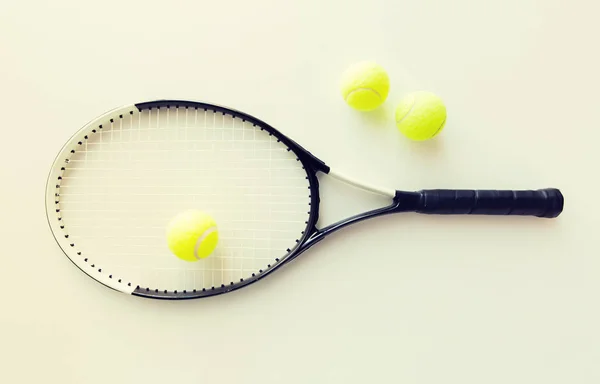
(132, 174)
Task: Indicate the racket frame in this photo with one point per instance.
(311, 164)
(543, 203)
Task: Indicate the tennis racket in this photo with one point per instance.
(119, 180)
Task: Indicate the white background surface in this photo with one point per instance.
(405, 299)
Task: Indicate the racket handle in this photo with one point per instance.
(546, 203)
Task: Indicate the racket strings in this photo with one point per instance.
(125, 181)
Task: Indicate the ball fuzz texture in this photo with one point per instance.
(421, 116)
(365, 86)
(192, 235)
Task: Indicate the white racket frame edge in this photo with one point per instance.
(58, 232)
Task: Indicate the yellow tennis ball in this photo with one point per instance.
(365, 86)
(192, 235)
(421, 116)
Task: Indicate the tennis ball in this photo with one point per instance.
(421, 116)
(365, 86)
(192, 235)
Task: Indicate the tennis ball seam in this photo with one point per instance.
(440, 127)
(409, 111)
(206, 233)
(362, 89)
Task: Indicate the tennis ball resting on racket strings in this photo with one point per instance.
(192, 235)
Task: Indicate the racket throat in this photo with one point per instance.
(403, 202)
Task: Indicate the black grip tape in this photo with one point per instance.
(541, 203)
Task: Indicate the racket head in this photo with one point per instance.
(109, 217)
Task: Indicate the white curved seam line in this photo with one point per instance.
(362, 89)
(408, 113)
(440, 127)
(201, 239)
